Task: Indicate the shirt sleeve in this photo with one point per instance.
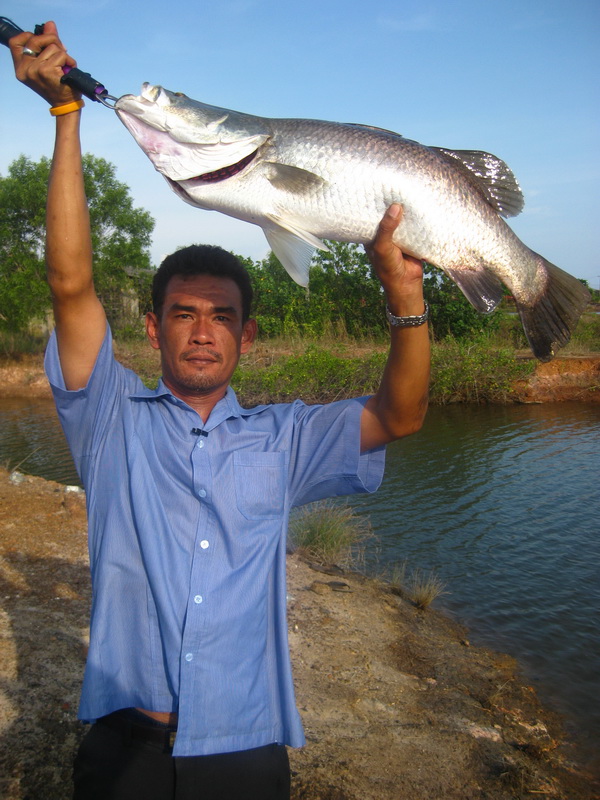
(326, 459)
(85, 414)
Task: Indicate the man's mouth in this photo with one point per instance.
(202, 357)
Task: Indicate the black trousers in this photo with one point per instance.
(113, 764)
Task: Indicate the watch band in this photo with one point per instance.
(407, 322)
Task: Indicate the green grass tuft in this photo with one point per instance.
(330, 533)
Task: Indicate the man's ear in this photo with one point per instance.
(249, 333)
(153, 329)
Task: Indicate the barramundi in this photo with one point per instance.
(304, 180)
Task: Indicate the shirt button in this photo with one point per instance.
(198, 599)
(200, 443)
(202, 493)
(204, 544)
(189, 656)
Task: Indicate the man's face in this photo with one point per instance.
(200, 335)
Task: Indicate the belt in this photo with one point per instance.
(128, 723)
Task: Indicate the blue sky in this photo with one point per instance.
(520, 79)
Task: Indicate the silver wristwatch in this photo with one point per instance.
(407, 322)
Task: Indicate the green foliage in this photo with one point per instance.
(15, 344)
(316, 376)
(23, 290)
(280, 305)
(343, 296)
(343, 288)
(120, 236)
(586, 336)
(474, 371)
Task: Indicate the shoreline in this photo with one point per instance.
(565, 378)
(396, 702)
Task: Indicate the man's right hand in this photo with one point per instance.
(43, 73)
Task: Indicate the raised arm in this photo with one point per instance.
(78, 313)
(399, 406)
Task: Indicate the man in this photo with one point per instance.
(188, 678)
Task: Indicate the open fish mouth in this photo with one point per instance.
(225, 172)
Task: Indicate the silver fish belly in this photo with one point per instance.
(303, 181)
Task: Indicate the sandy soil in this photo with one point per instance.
(396, 702)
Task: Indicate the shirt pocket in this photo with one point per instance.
(259, 484)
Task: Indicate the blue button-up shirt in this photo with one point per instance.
(187, 525)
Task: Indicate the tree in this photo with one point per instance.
(280, 305)
(344, 290)
(121, 236)
(342, 294)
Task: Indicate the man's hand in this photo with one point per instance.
(400, 275)
(43, 73)
(399, 405)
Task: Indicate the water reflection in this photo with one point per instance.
(32, 440)
(503, 503)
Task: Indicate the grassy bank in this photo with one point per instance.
(335, 367)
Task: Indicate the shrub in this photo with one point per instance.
(421, 588)
(330, 533)
(424, 587)
(474, 371)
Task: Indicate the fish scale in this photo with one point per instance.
(303, 181)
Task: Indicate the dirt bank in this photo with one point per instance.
(396, 703)
(563, 378)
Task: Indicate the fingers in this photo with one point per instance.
(396, 270)
(383, 251)
(39, 62)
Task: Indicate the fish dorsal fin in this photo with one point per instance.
(491, 176)
(293, 247)
(481, 288)
(292, 179)
(374, 128)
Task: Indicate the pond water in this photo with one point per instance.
(502, 502)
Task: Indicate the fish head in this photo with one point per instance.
(186, 139)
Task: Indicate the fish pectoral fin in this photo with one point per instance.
(293, 247)
(491, 176)
(481, 288)
(292, 179)
(301, 233)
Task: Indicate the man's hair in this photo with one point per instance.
(201, 259)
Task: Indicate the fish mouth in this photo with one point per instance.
(223, 173)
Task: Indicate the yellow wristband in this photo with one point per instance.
(58, 111)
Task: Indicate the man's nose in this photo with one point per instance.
(202, 332)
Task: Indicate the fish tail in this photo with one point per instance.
(550, 320)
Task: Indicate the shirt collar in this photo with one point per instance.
(228, 406)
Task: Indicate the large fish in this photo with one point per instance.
(306, 180)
